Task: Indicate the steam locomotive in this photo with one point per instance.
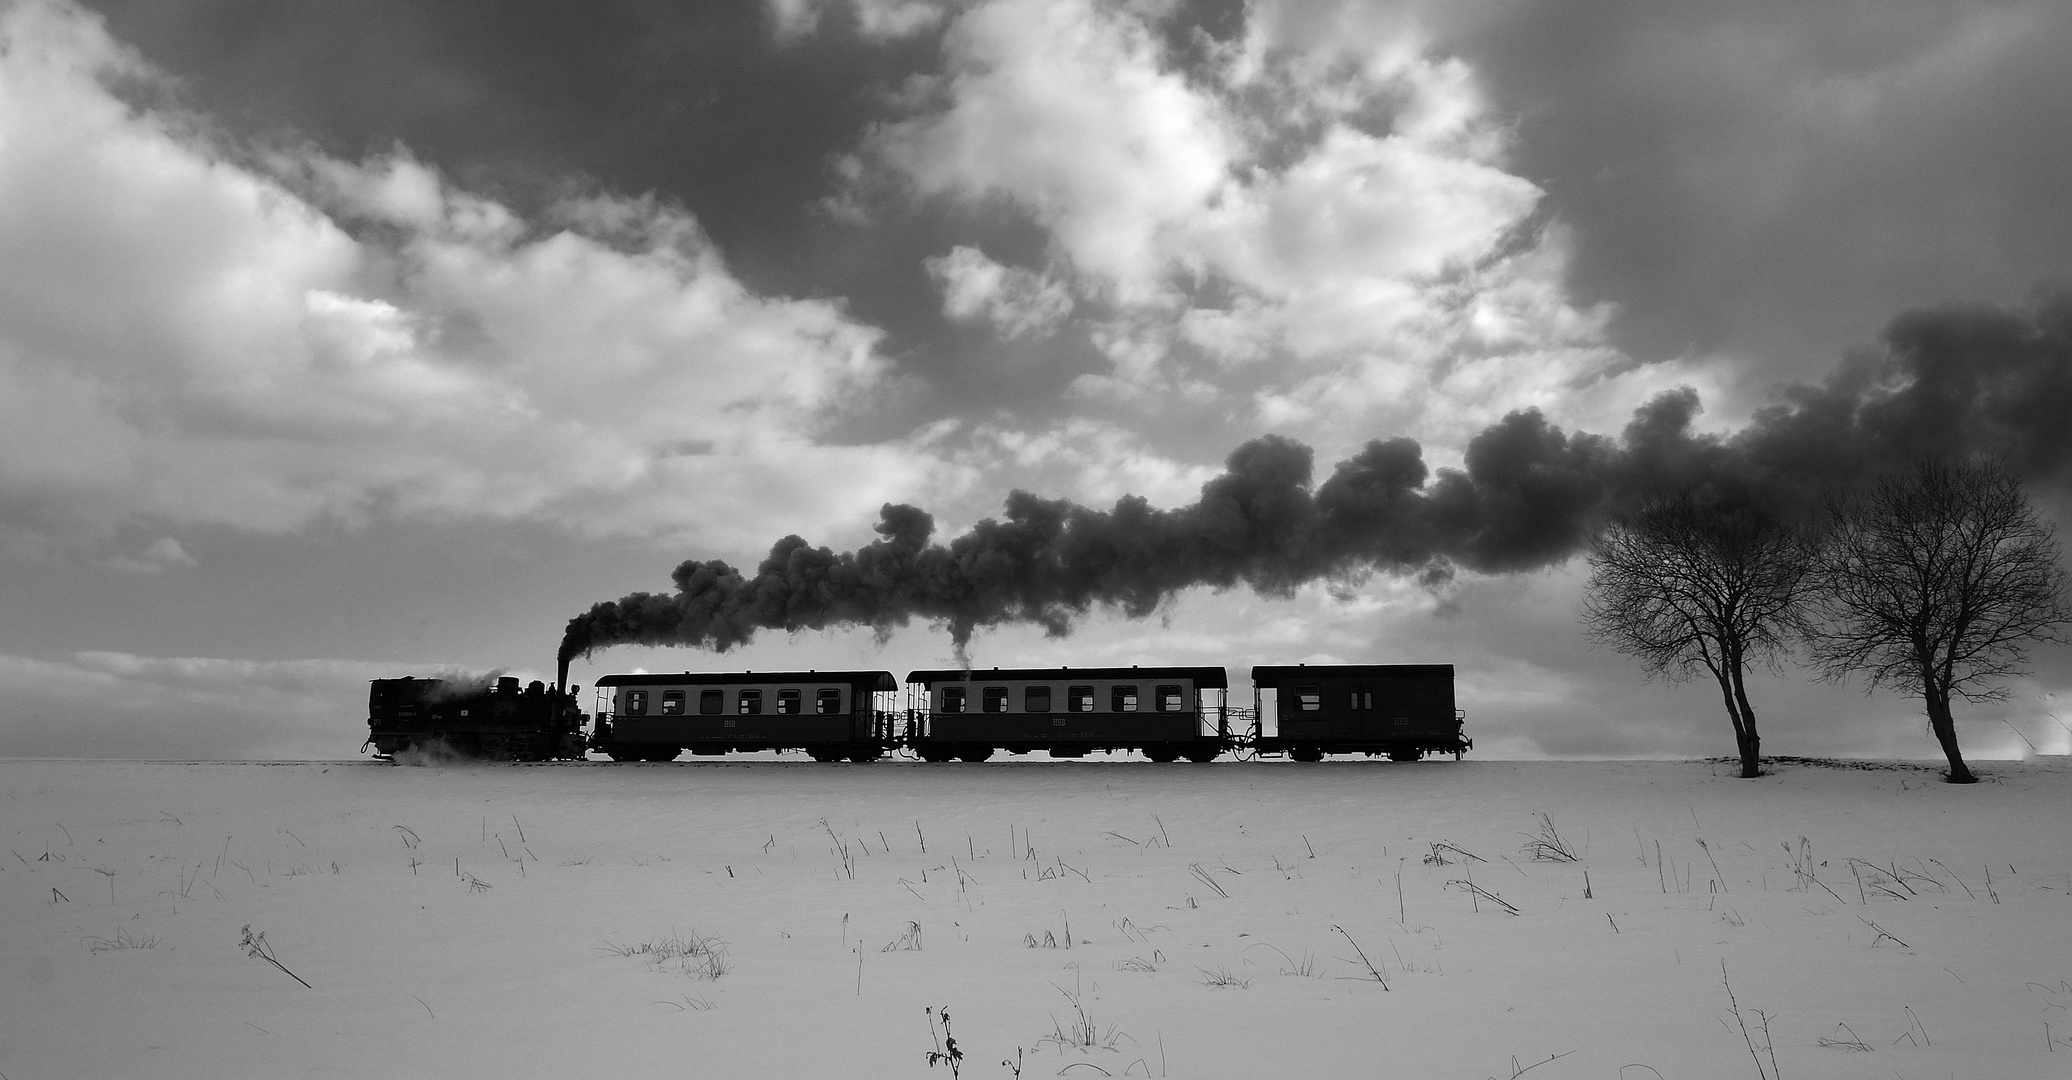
(474, 718)
(1303, 712)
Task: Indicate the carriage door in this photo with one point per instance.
(1363, 718)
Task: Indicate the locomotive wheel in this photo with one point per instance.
(1306, 753)
(1405, 753)
(1162, 754)
(937, 754)
(1202, 757)
(827, 753)
(625, 752)
(662, 753)
(975, 754)
(865, 754)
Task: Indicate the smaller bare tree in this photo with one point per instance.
(1937, 578)
(1690, 584)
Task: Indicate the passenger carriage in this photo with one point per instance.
(1403, 710)
(831, 715)
(1165, 712)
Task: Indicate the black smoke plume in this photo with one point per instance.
(1949, 380)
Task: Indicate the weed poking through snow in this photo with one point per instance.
(1850, 1043)
(1478, 894)
(255, 946)
(695, 956)
(945, 1052)
(1222, 979)
(1548, 845)
(122, 940)
(1202, 876)
(907, 942)
(1748, 1036)
(1440, 849)
(1369, 964)
(1084, 1033)
(1307, 967)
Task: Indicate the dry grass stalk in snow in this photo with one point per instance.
(1548, 846)
(122, 940)
(255, 946)
(694, 955)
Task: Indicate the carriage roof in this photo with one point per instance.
(1207, 678)
(1283, 675)
(861, 680)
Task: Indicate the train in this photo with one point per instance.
(1303, 712)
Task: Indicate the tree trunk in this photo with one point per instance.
(1744, 728)
(1945, 727)
(1745, 741)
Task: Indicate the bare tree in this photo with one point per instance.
(1937, 579)
(1690, 584)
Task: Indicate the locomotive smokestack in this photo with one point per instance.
(1953, 380)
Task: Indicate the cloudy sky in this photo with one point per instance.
(359, 339)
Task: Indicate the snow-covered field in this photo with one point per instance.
(490, 921)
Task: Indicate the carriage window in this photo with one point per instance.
(953, 699)
(1309, 698)
(1170, 699)
(995, 699)
(712, 702)
(828, 702)
(1036, 699)
(1123, 699)
(788, 702)
(751, 702)
(672, 703)
(636, 702)
(1079, 698)
(1370, 701)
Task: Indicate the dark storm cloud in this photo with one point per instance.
(702, 104)
(696, 101)
(1954, 379)
(1764, 179)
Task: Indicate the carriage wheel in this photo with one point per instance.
(975, 754)
(1202, 757)
(1306, 753)
(1162, 754)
